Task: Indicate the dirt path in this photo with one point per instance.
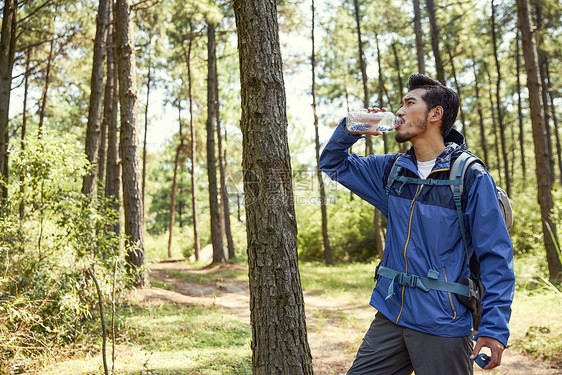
(332, 342)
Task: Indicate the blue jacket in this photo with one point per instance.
(423, 233)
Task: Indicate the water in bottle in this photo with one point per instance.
(363, 120)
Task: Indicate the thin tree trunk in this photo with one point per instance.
(401, 146)
(92, 273)
(43, 105)
(554, 119)
(483, 142)
(458, 87)
(179, 149)
(279, 336)
(544, 86)
(435, 41)
(93, 130)
(196, 242)
(494, 130)
(24, 129)
(113, 169)
(520, 106)
(145, 136)
(544, 191)
(501, 124)
(224, 191)
(382, 91)
(216, 238)
(419, 38)
(132, 197)
(7, 51)
(224, 203)
(363, 68)
(328, 254)
(377, 217)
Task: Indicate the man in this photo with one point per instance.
(415, 328)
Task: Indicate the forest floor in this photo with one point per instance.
(196, 321)
(333, 338)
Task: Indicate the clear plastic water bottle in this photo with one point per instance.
(363, 120)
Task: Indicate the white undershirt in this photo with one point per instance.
(425, 167)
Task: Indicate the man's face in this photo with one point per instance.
(413, 115)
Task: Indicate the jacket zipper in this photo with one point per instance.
(450, 297)
(412, 205)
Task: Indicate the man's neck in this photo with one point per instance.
(428, 149)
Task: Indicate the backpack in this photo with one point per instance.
(471, 295)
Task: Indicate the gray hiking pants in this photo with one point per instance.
(394, 350)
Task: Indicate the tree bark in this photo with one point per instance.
(179, 150)
(216, 237)
(494, 130)
(544, 191)
(520, 105)
(279, 336)
(24, 129)
(7, 51)
(93, 130)
(458, 87)
(132, 197)
(328, 254)
(483, 142)
(500, 111)
(554, 120)
(145, 135)
(435, 41)
(224, 190)
(419, 38)
(43, 105)
(113, 168)
(196, 242)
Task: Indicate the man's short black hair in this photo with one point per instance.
(437, 94)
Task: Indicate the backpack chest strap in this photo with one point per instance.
(420, 282)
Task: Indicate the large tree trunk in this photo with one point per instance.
(500, 111)
(328, 255)
(193, 156)
(539, 136)
(93, 130)
(7, 51)
(520, 106)
(279, 337)
(216, 236)
(111, 102)
(435, 41)
(132, 197)
(419, 37)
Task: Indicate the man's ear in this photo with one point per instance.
(436, 113)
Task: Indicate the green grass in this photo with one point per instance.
(536, 322)
(170, 340)
(205, 340)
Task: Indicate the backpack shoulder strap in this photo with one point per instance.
(394, 171)
(458, 170)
